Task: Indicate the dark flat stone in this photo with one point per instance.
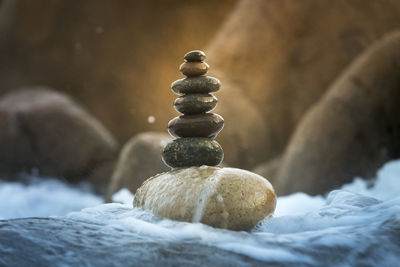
(195, 56)
(196, 85)
(192, 151)
(200, 125)
(195, 103)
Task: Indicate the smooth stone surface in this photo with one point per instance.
(201, 125)
(191, 69)
(195, 103)
(196, 85)
(228, 198)
(192, 151)
(195, 56)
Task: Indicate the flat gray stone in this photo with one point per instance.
(195, 103)
(193, 85)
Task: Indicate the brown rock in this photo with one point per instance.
(101, 175)
(16, 152)
(228, 198)
(282, 56)
(201, 125)
(139, 159)
(245, 136)
(46, 130)
(195, 103)
(195, 56)
(269, 169)
(352, 130)
(191, 69)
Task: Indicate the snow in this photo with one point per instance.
(360, 220)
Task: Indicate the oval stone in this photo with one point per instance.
(195, 56)
(191, 69)
(196, 85)
(192, 151)
(227, 198)
(200, 125)
(195, 103)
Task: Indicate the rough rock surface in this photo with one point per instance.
(276, 58)
(196, 85)
(46, 130)
(353, 129)
(139, 159)
(192, 151)
(228, 198)
(195, 103)
(51, 241)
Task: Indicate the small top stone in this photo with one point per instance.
(195, 56)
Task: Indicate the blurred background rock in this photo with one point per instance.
(276, 60)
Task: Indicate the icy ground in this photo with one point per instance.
(356, 225)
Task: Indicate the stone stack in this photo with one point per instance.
(196, 129)
(195, 190)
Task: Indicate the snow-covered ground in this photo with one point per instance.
(360, 220)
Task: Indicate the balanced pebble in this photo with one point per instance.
(191, 69)
(195, 103)
(195, 85)
(195, 56)
(200, 125)
(192, 151)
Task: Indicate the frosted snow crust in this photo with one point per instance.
(358, 224)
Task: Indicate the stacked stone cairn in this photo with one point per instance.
(196, 190)
(196, 128)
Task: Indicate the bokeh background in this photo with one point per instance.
(310, 89)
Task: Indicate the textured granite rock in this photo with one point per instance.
(228, 198)
(193, 85)
(195, 103)
(192, 151)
